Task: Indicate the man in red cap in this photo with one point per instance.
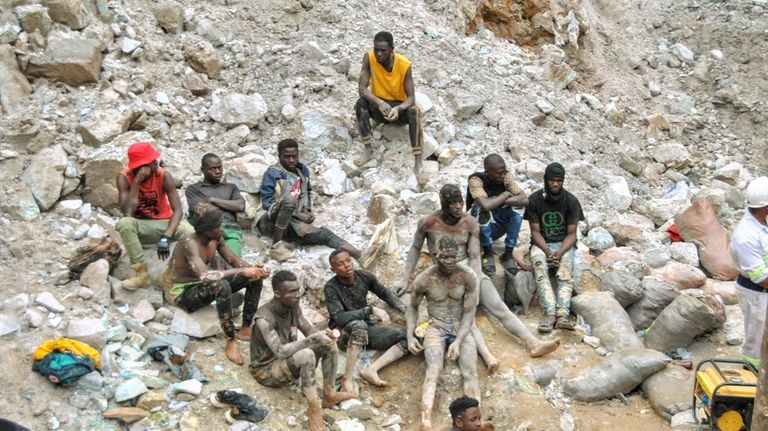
(151, 208)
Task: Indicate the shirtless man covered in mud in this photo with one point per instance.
(451, 220)
(194, 286)
(451, 293)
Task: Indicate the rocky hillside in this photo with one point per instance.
(649, 105)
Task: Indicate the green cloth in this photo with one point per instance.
(136, 232)
(233, 238)
(177, 289)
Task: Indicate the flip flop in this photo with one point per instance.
(488, 265)
(510, 265)
(563, 322)
(546, 325)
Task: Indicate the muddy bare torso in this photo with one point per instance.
(445, 295)
(435, 228)
(182, 271)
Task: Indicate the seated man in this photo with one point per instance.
(391, 97)
(151, 210)
(193, 286)
(346, 299)
(465, 415)
(495, 199)
(278, 357)
(451, 293)
(553, 214)
(285, 195)
(225, 196)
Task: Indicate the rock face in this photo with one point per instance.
(102, 124)
(246, 172)
(68, 12)
(14, 87)
(45, 176)
(170, 17)
(235, 109)
(71, 60)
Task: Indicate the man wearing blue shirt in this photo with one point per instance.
(286, 198)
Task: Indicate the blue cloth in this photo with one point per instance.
(270, 181)
(504, 221)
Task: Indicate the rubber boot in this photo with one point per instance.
(314, 412)
(140, 280)
(371, 372)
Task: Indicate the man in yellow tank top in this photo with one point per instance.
(387, 95)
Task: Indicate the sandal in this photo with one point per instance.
(546, 325)
(510, 265)
(488, 265)
(563, 322)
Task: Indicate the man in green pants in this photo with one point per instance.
(223, 195)
(151, 208)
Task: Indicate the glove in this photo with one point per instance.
(164, 247)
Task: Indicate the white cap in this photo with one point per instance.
(757, 193)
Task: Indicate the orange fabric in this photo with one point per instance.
(66, 345)
(153, 202)
(389, 85)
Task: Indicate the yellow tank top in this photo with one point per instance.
(389, 85)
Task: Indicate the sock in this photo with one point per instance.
(507, 253)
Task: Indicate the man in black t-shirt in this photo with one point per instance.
(363, 325)
(553, 214)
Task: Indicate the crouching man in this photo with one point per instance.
(278, 357)
(193, 286)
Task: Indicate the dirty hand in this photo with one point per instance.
(393, 114)
(163, 247)
(402, 288)
(414, 346)
(453, 351)
(143, 174)
(380, 315)
(322, 338)
(310, 218)
(211, 276)
(385, 109)
(256, 272)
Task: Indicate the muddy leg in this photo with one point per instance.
(468, 366)
(434, 355)
(330, 363)
(490, 361)
(303, 363)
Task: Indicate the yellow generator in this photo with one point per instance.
(724, 394)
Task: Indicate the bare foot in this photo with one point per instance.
(233, 352)
(493, 364)
(244, 334)
(365, 156)
(330, 400)
(426, 426)
(348, 386)
(315, 419)
(372, 377)
(543, 347)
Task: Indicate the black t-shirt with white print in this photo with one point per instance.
(553, 216)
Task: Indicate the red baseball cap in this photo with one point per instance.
(140, 154)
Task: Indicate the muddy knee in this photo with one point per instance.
(304, 357)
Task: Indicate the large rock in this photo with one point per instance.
(102, 167)
(599, 240)
(561, 75)
(685, 252)
(8, 324)
(323, 133)
(730, 173)
(672, 155)
(45, 176)
(203, 58)
(14, 87)
(661, 210)
(420, 203)
(71, 60)
(234, 109)
(683, 53)
(68, 12)
(88, 330)
(130, 389)
(18, 203)
(103, 123)
(617, 193)
(170, 16)
(466, 105)
(34, 17)
(96, 277)
(333, 178)
(247, 172)
(200, 324)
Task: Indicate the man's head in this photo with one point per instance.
(451, 203)
(495, 168)
(142, 154)
(341, 263)
(757, 198)
(465, 414)
(211, 168)
(554, 175)
(447, 251)
(286, 288)
(206, 219)
(383, 47)
(288, 154)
